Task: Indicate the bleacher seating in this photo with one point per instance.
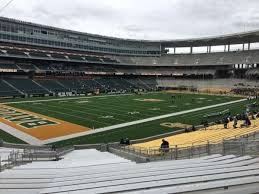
(45, 67)
(206, 83)
(16, 52)
(26, 66)
(109, 60)
(6, 90)
(26, 86)
(213, 134)
(52, 85)
(203, 59)
(75, 57)
(138, 83)
(58, 56)
(44, 86)
(38, 54)
(71, 84)
(8, 66)
(90, 171)
(93, 59)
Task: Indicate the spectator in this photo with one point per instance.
(127, 141)
(122, 142)
(225, 122)
(235, 122)
(205, 124)
(246, 123)
(164, 146)
(53, 147)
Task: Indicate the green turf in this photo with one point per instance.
(151, 128)
(9, 138)
(110, 110)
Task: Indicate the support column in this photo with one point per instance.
(228, 47)
(174, 50)
(191, 49)
(243, 46)
(249, 44)
(225, 48)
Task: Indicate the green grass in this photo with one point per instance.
(150, 128)
(111, 110)
(9, 138)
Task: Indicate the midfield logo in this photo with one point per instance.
(24, 119)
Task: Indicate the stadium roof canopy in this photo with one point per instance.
(238, 38)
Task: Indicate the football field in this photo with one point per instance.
(73, 115)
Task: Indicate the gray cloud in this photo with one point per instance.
(141, 19)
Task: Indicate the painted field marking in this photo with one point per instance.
(32, 127)
(20, 134)
(62, 99)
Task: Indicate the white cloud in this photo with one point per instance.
(141, 19)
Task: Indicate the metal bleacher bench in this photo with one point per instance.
(90, 171)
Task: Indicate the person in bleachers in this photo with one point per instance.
(164, 146)
(53, 147)
(225, 122)
(235, 122)
(122, 141)
(205, 124)
(127, 141)
(187, 130)
(253, 115)
(246, 123)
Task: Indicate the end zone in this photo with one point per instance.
(38, 126)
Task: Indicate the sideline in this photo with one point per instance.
(64, 98)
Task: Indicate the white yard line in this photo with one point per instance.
(136, 122)
(64, 98)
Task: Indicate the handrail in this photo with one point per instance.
(242, 145)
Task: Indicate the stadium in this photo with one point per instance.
(87, 113)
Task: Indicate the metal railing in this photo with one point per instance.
(27, 154)
(239, 145)
(15, 158)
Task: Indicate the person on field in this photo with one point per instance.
(164, 146)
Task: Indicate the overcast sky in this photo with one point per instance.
(140, 19)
